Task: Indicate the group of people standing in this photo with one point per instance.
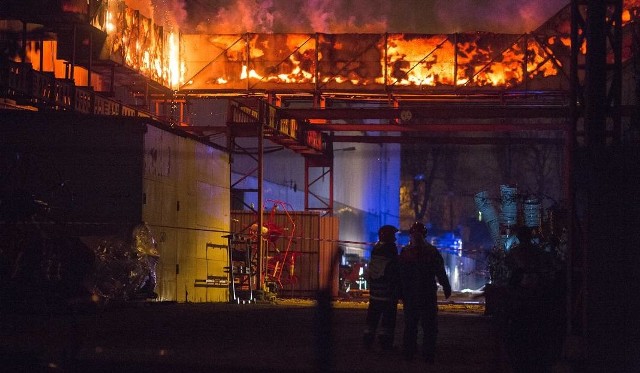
(409, 276)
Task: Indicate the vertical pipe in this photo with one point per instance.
(330, 213)
(616, 84)
(573, 243)
(306, 183)
(595, 111)
(569, 200)
(261, 124)
(595, 78)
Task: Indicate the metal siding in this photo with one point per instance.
(312, 232)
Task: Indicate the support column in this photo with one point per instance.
(260, 207)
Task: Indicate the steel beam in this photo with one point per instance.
(434, 111)
(438, 139)
(457, 127)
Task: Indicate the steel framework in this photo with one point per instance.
(551, 79)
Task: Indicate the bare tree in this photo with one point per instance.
(421, 162)
(540, 168)
(448, 166)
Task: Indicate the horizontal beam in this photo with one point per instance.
(458, 127)
(457, 140)
(205, 129)
(436, 111)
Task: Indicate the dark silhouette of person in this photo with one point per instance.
(420, 265)
(535, 307)
(384, 284)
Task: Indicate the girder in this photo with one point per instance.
(438, 127)
(436, 138)
(442, 110)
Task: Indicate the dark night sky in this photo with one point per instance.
(352, 16)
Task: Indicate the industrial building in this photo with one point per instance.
(114, 121)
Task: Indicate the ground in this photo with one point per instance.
(287, 335)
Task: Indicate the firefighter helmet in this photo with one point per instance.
(387, 229)
(418, 227)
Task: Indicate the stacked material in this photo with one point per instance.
(509, 210)
(489, 214)
(531, 209)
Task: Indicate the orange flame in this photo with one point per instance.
(341, 61)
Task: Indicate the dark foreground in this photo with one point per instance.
(159, 337)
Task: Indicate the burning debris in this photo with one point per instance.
(150, 42)
(135, 41)
(368, 61)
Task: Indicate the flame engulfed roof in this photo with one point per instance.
(342, 62)
(321, 62)
(369, 62)
(383, 63)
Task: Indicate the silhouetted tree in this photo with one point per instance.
(421, 162)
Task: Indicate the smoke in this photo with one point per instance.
(227, 17)
(338, 16)
(349, 16)
(508, 16)
(166, 13)
(288, 16)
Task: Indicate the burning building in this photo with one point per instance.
(304, 92)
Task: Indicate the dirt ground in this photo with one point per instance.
(285, 336)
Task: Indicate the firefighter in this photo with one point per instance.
(384, 287)
(420, 265)
(534, 316)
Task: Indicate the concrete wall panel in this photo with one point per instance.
(166, 270)
(152, 191)
(188, 183)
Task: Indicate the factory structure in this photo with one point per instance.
(239, 166)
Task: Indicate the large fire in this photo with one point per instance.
(137, 42)
(366, 61)
(340, 62)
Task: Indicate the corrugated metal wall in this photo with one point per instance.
(314, 241)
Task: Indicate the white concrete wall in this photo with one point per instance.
(186, 185)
